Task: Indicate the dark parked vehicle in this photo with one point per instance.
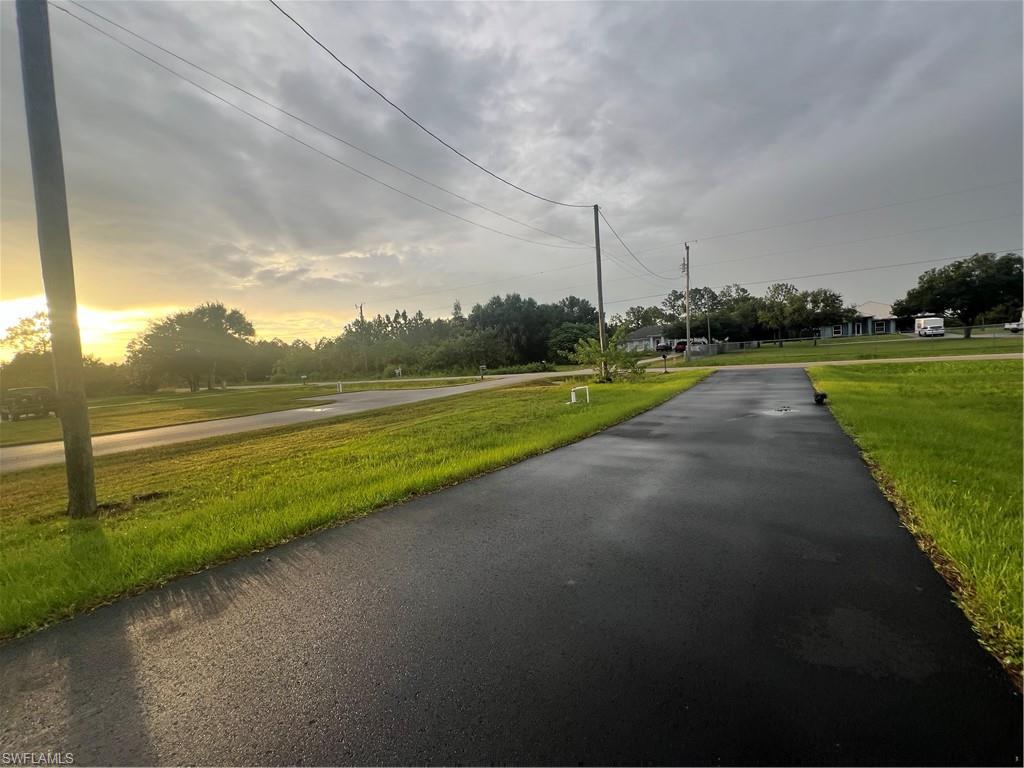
(680, 347)
(27, 401)
(663, 348)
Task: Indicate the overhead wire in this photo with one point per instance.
(416, 122)
(320, 129)
(309, 146)
(576, 243)
(627, 248)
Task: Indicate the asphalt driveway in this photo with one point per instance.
(717, 581)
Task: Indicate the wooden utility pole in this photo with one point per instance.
(55, 251)
(601, 333)
(686, 267)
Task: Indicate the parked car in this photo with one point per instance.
(929, 326)
(1016, 327)
(680, 347)
(664, 347)
(27, 401)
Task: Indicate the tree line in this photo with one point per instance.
(211, 344)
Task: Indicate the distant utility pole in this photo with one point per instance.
(686, 268)
(55, 251)
(601, 334)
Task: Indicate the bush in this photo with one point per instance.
(528, 368)
(609, 364)
(280, 378)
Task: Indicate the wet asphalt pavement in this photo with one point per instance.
(717, 581)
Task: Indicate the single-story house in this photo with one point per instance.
(645, 339)
(873, 319)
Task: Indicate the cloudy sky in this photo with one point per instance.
(685, 121)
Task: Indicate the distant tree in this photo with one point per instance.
(967, 289)
(573, 309)
(704, 301)
(207, 341)
(261, 358)
(824, 307)
(778, 306)
(29, 334)
(457, 317)
(674, 305)
(564, 338)
(468, 350)
(639, 316)
(523, 323)
(27, 369)
(35, 369)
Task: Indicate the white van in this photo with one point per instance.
(929, 326)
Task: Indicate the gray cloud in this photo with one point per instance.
(682, 119)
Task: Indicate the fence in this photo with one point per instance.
(980, 333)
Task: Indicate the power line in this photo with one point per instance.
(296, 139)
(630, 252)
(1002, 252)
(416, 122)
(322, 130)
(833, 215)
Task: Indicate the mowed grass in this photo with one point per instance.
(121, 414)
(228, 496)
(857, 349)
(945, 438)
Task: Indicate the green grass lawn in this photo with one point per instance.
(946, 441)
(121, 414)
(858, 349)
(176, 509)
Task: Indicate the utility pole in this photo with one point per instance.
(55, 251)
(601, 333)
(686, 267)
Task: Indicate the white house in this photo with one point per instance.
(645, 339)
(873, 319)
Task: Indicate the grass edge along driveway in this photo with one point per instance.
(174, 510)
(944, 441)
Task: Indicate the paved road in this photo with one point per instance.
(18, 457)
(14, 458)
(713, 582)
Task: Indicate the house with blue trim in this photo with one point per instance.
(873, 318)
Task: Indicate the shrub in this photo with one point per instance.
(527, 368)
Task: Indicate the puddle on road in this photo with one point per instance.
(782, 410)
